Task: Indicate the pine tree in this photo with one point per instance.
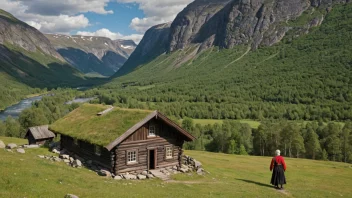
(346, 141)
(232, 147)
(312, 144)
(242, 150)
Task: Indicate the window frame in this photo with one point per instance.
(166, 152)
(127, 157)
(149, 129)
(97, 150)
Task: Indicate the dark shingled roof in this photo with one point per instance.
(40, 132)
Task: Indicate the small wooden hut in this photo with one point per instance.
(122, 140)
(39, 135)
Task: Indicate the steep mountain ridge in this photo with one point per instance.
(18, 33)
(29, 61)
(229, 23)
(92, 54)
(153, 44)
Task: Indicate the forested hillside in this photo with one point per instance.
(305, 77)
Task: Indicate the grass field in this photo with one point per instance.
(26, 175)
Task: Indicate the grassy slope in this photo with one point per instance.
(17, 91)
(26, 175)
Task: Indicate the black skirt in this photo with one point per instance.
(278, 176)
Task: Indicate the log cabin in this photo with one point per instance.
(39, 135)
(122, 140)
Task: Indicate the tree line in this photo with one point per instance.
(311, 140)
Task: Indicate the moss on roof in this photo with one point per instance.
(84, 124)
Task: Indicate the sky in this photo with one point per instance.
(116, 19)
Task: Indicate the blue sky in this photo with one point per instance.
(116, 19)
(119, 21)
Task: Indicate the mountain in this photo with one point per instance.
(229, 23)
(93, 54)
(154, 43)
(28, 60)
(304, 74)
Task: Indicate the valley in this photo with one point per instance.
(241, 78)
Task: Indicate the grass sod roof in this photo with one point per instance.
(84, 124)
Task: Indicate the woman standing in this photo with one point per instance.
(278, 166)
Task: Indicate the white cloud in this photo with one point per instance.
(112, 35)
(103, 33)
(135, 37)
(156, 11)
(57, 21)
(65, 7)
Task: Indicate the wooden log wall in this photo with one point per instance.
(139, 141)
(87, 151)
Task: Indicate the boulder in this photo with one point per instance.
(41, 156)
(71, 159)
(144, 173)
(141, 177)
(197, 164)
(184, 170)
(104, 173)
(65, 157)
(71, 196)
(56, 159)
(200, 171)
(21, 151)
(130, 176)
(150, 176)
(55, 151)
(9, 150)
(2, 145)
(66, 161)
(31, 146)
(77, 163)
(117, 178)
(11, 146)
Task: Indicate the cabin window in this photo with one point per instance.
(132, 157)
(151, 132)
(97, 150)
(168, 152)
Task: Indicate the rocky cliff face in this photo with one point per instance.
(227, 23)
(93, 54)
(154, 43)
(240, 22)
(18, 33)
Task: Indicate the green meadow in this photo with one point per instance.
(26, 175)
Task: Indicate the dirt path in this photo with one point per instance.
(239, 58)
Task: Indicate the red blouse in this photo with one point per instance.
(279, 160)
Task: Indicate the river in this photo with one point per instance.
(15, 110)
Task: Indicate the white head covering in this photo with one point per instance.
(277, 152)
